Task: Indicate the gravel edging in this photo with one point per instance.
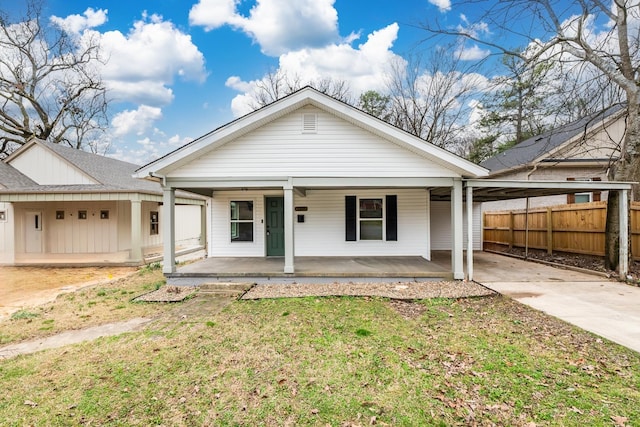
(394, 290)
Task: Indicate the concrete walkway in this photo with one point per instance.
(605, 307)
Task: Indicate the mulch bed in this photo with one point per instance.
(588, 262)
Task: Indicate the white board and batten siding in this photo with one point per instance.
(45, 168)
(7, 233)
(323, 231)
(441, 226)
(336, 149)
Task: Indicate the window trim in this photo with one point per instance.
(233, 221)
(154, 223)
(380, 219)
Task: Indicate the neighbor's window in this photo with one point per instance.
(371, 219)
(242, 221)
(82, 214)
(154, 222)
(104, 214)
(3, 216)
(59, 214)
(582, 198)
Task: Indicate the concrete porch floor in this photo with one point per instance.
(378, 267)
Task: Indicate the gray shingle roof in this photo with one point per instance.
(112, 175)
(10, 177)
(532, 148)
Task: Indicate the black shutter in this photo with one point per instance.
(350, 216)
(392, 218)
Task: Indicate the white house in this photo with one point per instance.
(312, 176)
(59, 206)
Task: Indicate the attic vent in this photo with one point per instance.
(309, 123)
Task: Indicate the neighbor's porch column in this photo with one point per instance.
(169, 230)
(289, 250)
(203, 226)
(456, 230)
(136, 230)
(469, 233)
(623, 210)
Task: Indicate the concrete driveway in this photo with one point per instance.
(605, 307)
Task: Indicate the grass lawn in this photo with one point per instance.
(339, 361)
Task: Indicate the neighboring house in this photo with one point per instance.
(309, 175)
(59, 205)
(578, 151)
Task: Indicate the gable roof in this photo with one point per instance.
(10, 177)
(294, 101)
(111, 175)
(540, 146)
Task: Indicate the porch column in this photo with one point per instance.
(456, 230)
(203, 226)
(469, 233)
(136, 230)
(623, 244)
(168, 230)
(289, 250)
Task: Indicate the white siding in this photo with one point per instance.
(188, 225)
(441, 226)
(337, 149)
(323, 231)
(45, 168)
(7, 234)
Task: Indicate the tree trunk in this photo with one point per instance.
(627, 168)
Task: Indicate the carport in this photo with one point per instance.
(485, 190)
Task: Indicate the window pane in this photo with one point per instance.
(242, 231)
(370, 208)
(370, 230)
(242, 210)
(582, 198)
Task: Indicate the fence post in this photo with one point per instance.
(549, 231)
(511, 225)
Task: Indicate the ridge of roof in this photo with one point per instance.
(532, 148)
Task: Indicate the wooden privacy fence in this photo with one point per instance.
(576, 228)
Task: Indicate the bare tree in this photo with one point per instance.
(430, 98)
(49, 84)
(278, 84)
(565, 32)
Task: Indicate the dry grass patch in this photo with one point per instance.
(91, 306)
(339, 361)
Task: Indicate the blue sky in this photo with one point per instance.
(179, 69)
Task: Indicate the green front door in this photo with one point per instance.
(275, 226)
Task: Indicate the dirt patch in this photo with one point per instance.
(408, 309)
(31, 286)
(168, 294)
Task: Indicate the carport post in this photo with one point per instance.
(169, 230)
(469, 232)
(456, 230)
(624, 234)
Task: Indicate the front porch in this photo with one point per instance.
(321, 267)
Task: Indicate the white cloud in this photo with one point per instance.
(150, 148)
(77, 23)
(309, 23)
(135, 121)
(363, 68)
(472, 53)
(141, 65)
(443, 5)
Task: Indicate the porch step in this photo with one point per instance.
(231, 289)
